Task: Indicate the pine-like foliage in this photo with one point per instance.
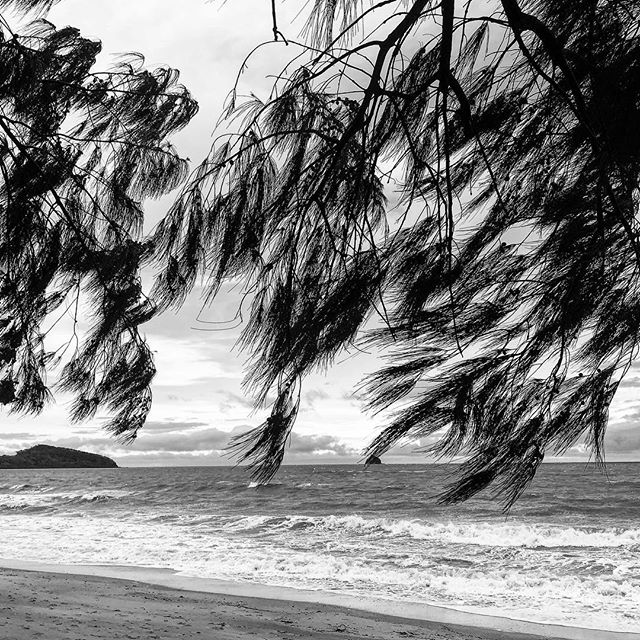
(503, 283)
(79, 152)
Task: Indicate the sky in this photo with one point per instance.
(198, 400)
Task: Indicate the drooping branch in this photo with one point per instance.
(79, 153)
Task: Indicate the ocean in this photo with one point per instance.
(567, 553)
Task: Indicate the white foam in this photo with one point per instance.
(491, 534)
(341, 563)
(44, 497)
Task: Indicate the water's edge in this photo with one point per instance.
(406, 610)
(567, 555)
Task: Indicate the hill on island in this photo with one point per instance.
(43, 456)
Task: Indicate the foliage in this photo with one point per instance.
(80, 150)
(458, 188)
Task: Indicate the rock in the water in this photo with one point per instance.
(373, 460)
(43, 456)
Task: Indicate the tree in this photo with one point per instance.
(79, 152)
(456, 187)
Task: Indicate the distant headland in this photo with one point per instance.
(373, 460)
(43, 456)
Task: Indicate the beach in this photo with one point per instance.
(37, 604)
(565, 557)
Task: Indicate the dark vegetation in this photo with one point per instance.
(456, 189)
(79, 152)
(43, 456)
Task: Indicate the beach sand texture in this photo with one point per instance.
(53, 606)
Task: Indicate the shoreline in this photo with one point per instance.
(352, 607)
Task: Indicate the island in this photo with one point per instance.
(372, 460)
(43, 456)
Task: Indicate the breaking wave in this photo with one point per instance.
(45, 498)
(568, 551)
(488, 534)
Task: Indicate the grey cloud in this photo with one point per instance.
(632, 379)
(312, 396)
(14, 441)
(170, 440)
(414, 451)
(630, 382)
(623, 436)
(170, 459)
(318, 445)
(623, 440)
(233, 400)
(196, 440)
(191, 438)
(156, 426)
(12, 435)
(354, 398)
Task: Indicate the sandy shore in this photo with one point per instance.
(54, 606)
(67, 606)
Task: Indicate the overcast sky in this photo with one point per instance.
(198, 398)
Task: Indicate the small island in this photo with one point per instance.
(43, 456)
(372, 460)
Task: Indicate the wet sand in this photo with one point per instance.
(58, 606)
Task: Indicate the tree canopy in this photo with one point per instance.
(456, 187)
(452, 183)
(79, 152)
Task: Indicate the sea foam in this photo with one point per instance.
(507, 534)
(378, 535)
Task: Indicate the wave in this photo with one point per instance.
(19, 487)
(353, 555)
(611, 602)
(43, 498)
(489, 534)
(24, 488)
(604, 601)
(265, 485)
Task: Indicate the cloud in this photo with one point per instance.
(14, 441)
(632, 377)
(183, 362)
(354, 398)
(312, 396)
(12, 435)
(232, 401)
(318, 446)
(156, 426)
(623, 439)
(169, 437)
(162, 442)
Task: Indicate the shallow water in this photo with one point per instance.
(568, 552)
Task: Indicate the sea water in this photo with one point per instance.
(568, 552)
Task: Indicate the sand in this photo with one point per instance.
(66, 606)
(70, 607)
